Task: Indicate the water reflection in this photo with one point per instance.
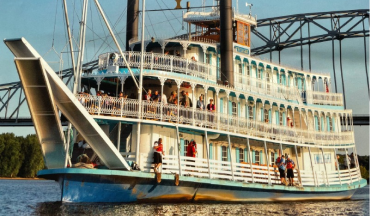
(351, 207)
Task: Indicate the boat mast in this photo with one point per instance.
(141, 80)
(75, 84)
(82, 44)
(116, 42)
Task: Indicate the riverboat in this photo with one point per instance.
(262, 110)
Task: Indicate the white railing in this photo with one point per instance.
(244, 172)
(159, 61)
(252, 84)
(129, 108)
(325, 98)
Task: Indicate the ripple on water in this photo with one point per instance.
(21, 197)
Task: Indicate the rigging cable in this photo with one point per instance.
(166, 17)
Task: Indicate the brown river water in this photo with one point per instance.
(41, 197)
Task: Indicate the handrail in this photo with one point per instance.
(160, 62)
(97, 105)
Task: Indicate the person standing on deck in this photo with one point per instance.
(290, 167)
(280, 162)
(158, 152)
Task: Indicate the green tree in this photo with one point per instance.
(33, 158)
(11, 155)
(364, 173)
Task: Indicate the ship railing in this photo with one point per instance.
(244, 172)
(151, 110)
(157, 61)
(193, 38)
(325, 98)
(252, 84)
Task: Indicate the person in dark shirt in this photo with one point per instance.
(211, 108)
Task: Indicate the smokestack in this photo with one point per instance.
(227, 62)
(132, 21)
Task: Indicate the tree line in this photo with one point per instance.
(20, 156)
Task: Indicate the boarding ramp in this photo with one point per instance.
(66, 102)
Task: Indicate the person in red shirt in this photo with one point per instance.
(191, 152)
(211, 108)
(158, 152)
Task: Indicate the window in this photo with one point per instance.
(331, 124)
(234, 109)
(242, 34)
(266, 114)
(257, 157)
(246, 68)
(186, 143)
(319, 160)
(272, 158)
(241, 155)
(250, 112)
(318, 124)
(224, 153)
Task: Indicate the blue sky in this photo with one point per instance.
(35, 20)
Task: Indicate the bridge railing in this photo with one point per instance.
(151, 110)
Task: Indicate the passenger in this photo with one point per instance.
(173, 98)
(211, 108)
(280, 162)
(290, 173)
(156, 96)
(148, 95)
(158, 152)
(185, 99)
(191, 152)
(200, 106)
(349, 162)
(353, 164)
(178, 53)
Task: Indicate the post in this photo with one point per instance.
(119, 136)
(207, 145)
(267, 163)
(81, 44)
(336, 159)
(178, 148)
(326, 172)
(250, 159)
(313, 173)
(162, 84)
(231, 159)
(348, 166)
(296, 157)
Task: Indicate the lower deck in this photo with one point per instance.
(93, 185)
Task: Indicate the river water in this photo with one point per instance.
(41, 197)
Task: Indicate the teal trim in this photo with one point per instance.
(277, 78)
(246, 155)
(261, 157)
(328, 123)
(210, 61)
(253, 156)
(275, 156)
(284, 119)
(322, 124)
(270, 117)
(316, 124)
(237, 160)
(221, 105)
(262, 113)
(299, 83)
(210, 151)
(228, 154)
(182, 144)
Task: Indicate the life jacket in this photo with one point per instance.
(278, 160)
(289, 164)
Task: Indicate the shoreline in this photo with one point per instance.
(20, 178)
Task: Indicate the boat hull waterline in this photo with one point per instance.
(80, 185)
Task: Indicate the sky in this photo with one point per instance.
(41, 22)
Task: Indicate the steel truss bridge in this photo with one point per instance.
(275, 34)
